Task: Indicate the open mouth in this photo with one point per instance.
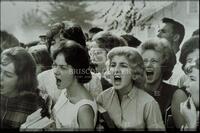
(117, 79)
(149, 75)
(58, 81)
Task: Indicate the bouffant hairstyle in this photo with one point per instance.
(168, 57)
(188, 47)
(135, 60)
(25, 68)
(108, 41)
(76, 56)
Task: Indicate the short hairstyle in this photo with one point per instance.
(131, 40)
(108, 41)
(8, 40)
(76, 56)
(25, 68)
(177, 27)
(95, 30)
(188, 47)
(168, 57)
(135, 60)
(42, 57)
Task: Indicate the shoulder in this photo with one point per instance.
(45, 74)
(144, 96)
(108, 92)
(179, 94)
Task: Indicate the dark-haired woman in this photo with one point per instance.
(18, 87)
(75, 107)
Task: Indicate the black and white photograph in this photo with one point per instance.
(96, 65)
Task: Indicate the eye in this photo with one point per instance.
(154, 61)
(124, 65)
(145, 60)
(64, 67)
(112, 64)
(189, 60)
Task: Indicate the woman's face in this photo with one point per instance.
(193, 87)
(63, 72)
(152, 63)
(121, 75)
(97, 55)
(190, 60)
(8, 80)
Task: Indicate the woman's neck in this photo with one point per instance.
(153, 87)
(101, 69)
(124, 91)
(73, 88)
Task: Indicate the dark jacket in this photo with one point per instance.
(15, 110)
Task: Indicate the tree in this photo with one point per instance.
(59, 11)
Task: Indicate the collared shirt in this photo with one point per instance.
(138, 110)
(177, 72)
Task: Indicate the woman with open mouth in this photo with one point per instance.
(128, 105)
(159, 61)
(101, 44)
(75, 108)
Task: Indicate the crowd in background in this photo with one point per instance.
(71, 75)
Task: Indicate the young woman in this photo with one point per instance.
(127, 104)
(18, 87)
(75, 107)
(188, 57)
(159, 60)
(101, 44)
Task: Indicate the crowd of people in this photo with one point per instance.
(72, 75)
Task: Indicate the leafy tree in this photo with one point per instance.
(59, 11)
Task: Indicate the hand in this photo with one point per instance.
(47, 107)
(189, 114)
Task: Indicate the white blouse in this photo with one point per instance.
(66, 113)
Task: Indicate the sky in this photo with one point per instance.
(11, 15)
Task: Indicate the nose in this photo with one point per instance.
(159, 33)
(117, 69)
(56, 71)
(148, 63)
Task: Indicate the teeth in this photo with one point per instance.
(117, 76)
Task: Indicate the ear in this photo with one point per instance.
(176, 37)
(134, 76)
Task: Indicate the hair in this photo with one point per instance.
(8, 41)
(131, 40)
(188, 47)
(76, 56)
(25, 68)
(196, 33)
(41, 56)
(68, 30)
(177, 27)
(168, 57)
(135, 60)
(108, 41)
(95, 30)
